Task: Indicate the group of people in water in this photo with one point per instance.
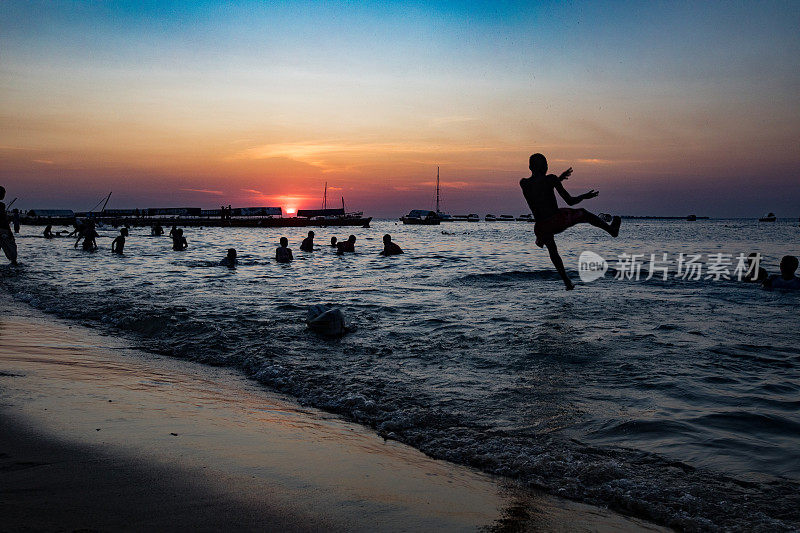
(283, 254)
(86, 234)
(538, 189)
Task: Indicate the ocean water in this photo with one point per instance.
(676, 401)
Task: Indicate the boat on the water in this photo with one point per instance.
(490, 218)
(691, 218)
(525, 218)
(769, 217)
(425, 217)
(421, 217)
(505, 218)
(472, 217)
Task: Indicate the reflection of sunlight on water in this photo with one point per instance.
(467, 345)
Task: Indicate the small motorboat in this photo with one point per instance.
(421, 217)
(769, 217)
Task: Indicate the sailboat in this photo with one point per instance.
(333, 217)
(425, 217)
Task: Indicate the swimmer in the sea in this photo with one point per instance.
(179, 243)
(347, 246)
(539, 191)
(230, 260)
(173, 231)
(389, 247)
(786, 279)
(7, 241)
(333, 242)
(118, 244)
(283, 254)
(308, 243)
(77, 229)
(156, 230)
(89, 236)
(48, 232)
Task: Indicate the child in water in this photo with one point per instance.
(283, 254)
(179, 243)
(88, 234)
(308, 243)
(230, 260)
(347, 246)
(118, 244)
(786, 279)
(390, 248)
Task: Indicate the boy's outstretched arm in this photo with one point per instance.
(572, 200)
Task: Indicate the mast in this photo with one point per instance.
(325, 197)
(342, 203)
(106, 202)
(437, 190)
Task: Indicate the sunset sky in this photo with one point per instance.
(667, 108)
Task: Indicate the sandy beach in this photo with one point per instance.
(98, 436)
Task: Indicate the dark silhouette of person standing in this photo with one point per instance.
(308, 243)
(16, 220)
(389, 247)
(118, 244)
(89, 236)
(179, 243)
(7, 241)
(283, 254)
(230, 260)
(539, 191)
(347, 246)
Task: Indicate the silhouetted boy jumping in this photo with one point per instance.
(539, 191)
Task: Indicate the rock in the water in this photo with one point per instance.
(326, 321)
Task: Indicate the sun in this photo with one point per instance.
(291, 210)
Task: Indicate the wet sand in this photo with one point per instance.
(95, 435)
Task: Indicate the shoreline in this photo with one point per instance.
(97, 435)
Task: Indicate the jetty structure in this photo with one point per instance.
(245, 217)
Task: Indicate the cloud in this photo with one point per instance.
(205, 191)
(448, 121)
(596, 161)
(450, 184)
(43, 161)
(315, 152)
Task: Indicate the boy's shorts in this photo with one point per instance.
(564, 218)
